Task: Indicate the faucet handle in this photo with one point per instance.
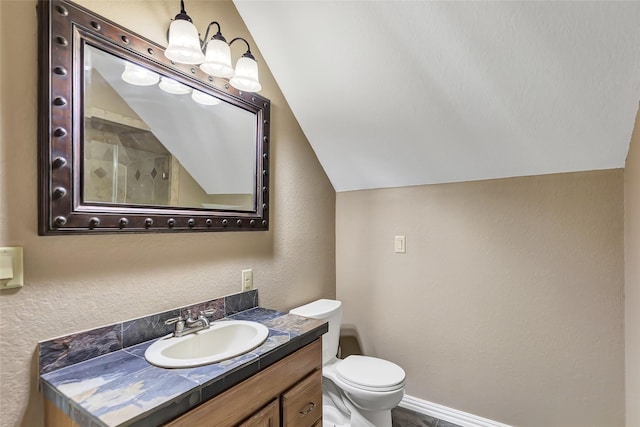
(173, 320)
(208, 313)
(179, 322)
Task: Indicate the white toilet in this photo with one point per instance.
(358, 391)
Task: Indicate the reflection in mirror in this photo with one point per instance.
(200, 153)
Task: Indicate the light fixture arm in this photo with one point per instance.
(248, 53)
(183, 13)
(217, 36)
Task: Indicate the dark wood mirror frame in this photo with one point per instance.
(64, 27)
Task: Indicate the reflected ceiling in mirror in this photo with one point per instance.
(130, 141)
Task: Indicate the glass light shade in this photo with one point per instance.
(171, 86)
(246, 76)
(217, 60)
(204, 99)
(184, 43)
(139, 76)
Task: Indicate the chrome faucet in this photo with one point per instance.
(189, 325)
(200, 321)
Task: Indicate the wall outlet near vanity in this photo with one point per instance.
(247, 280)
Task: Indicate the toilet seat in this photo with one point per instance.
(370, 373)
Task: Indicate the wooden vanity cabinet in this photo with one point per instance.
(287, 393)
(269, 416)
(54, 417)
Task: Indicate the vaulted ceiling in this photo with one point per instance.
(398, 93)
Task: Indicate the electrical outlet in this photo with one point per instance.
(247, 280)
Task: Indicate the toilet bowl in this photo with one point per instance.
(358, 391)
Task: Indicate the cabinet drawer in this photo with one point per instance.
(302, 404)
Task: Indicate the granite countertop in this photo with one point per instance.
(121, 389)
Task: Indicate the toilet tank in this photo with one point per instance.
(330, 311)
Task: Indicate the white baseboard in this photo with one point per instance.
(444, 413)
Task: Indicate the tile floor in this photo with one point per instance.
(405, 418)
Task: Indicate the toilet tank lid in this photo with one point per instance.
(320, 309)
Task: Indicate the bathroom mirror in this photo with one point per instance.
(131, 142)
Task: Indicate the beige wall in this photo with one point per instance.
(77, 282)
(632, 277)
(509, 301)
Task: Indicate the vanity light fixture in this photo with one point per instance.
(185, 47)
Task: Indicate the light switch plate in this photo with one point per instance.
(12, 261)
(400, 245)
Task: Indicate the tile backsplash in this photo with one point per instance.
(68, 350)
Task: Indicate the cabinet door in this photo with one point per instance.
(302, 404)
(269, 416)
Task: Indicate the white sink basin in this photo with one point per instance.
(222, 340)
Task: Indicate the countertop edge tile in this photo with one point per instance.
(83, 418)
(169, 410)
(51, 392)
(240, 374)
